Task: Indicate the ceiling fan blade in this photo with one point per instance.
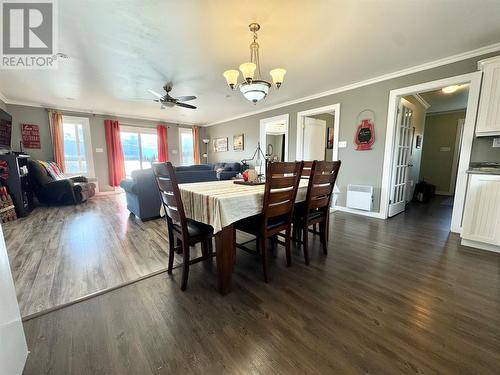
(185, 105)
(155, 93)
(185, 98)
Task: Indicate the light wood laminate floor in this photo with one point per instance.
(59, 254)
(392, 297)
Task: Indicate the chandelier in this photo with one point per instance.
(254, 88)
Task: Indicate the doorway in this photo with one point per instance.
(318, 133)
(274, 137)
(405, 142)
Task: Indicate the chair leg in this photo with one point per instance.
(179, 243)
(323, 235)
(185, 266)
(305, 243)
(204, 248)
(171, 252)
(263, 252)
(288, 234)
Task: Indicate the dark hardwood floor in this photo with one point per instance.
(392, 297)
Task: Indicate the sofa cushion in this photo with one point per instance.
(195, 167)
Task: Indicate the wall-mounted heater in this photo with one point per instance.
(360, 197)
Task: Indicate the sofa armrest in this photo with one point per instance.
(79, 179)
(61, 191)
(130, 186)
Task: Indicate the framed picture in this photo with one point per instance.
(329, 138)
(238, 142)
(220, 144)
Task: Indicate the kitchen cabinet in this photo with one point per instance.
(481, 223)
(488, 117)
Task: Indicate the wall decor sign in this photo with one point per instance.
(31, 136)
(220, 144)
(329, 138)
(365, 132)
(238, 142)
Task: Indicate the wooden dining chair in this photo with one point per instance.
(316, 208)
(306, 171)
(282, 181)
(182, 232)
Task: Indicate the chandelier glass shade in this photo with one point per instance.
(253, 87)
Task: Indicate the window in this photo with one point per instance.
(186, 146)
(140, 147)
(77, 146)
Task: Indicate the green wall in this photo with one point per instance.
(437, 161)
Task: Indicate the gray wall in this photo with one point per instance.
(358, 167)
(39, 116)
(3, 105)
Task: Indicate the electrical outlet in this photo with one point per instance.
(445, 149)
(342, 144)
(496, 142)
(98, 149)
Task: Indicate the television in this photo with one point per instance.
(5, 130)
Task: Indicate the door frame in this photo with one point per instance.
(335, 109)
(474, 81)
(285, 118)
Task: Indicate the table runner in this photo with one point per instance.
(221, 203)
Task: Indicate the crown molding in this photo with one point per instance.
(90, 112)
(421, 101)
(400, 73)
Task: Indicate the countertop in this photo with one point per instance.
(484, 168)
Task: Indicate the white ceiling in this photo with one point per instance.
(120, 48)
(442, 102)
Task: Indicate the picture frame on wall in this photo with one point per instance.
(221, 144)
(329, 139)
(238, 142)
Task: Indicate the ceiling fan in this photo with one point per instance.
(169, 101)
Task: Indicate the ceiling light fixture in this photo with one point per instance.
(450, 89)
(254, 88)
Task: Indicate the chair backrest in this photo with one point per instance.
(306, 171)
(170, 194)
(321, 184)
(282, 182)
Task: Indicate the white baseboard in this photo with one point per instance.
(376, 215)
(481, 245)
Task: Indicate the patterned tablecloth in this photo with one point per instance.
(221, 203)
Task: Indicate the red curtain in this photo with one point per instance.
(161, 131)
(116, 163)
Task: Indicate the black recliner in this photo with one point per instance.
(72, 190)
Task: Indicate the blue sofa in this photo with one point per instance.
(143, 199)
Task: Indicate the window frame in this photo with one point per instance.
(87, 140)
(138, 130)
(190, 131)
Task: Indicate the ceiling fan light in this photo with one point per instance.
(255, 91)
(231, 77)
(278, 76)
(248, 70)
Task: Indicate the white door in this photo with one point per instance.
(314, 139)
(13, 349)
(402, 146)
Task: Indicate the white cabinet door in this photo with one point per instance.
(488, 117)
(13, 349)
(482, 209)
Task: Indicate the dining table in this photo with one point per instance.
(221, 204)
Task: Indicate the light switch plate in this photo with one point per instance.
(174, 152)
(98, 149)
(342, 144)
(496, 142)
